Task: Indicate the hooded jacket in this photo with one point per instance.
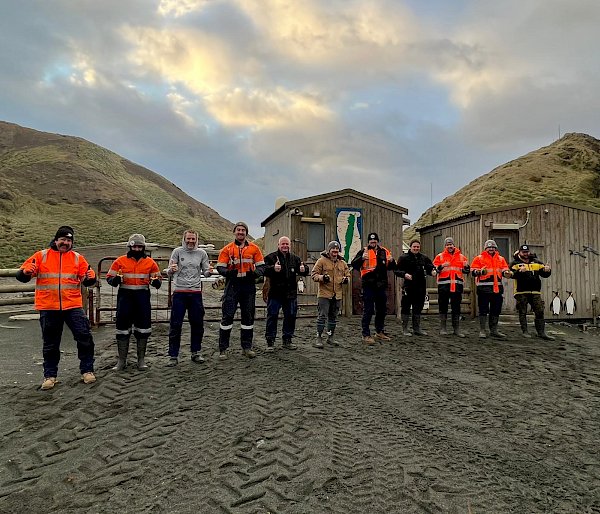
(192, 265)
(450, 267)
(337, 271)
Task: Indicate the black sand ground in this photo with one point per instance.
(421, 425)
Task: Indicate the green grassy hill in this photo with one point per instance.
(48, 180)
(567, 170)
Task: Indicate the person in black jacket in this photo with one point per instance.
(373, 262)
(282, 268)
(413, 267)
(527, 269)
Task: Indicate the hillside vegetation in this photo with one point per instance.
(567, 170)
(48, 180)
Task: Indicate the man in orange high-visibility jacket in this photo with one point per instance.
(133, 273)
(240, 262)
(488, 268)
(450, 265)
(373, 262)
(59, 272)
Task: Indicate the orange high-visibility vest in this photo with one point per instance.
(135, 274)
(370, 264)
(58, 279)
(243, 258)
(452, 274)
(494, 266)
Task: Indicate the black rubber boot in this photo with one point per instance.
(142, 343)
(416, 323)
(288, 345)
(456, 326)
(482, 324)
(540, 325)
(405, 320)
(443, 322)
(270, 345)
(494, 328)
(523, 323)
(122, 349)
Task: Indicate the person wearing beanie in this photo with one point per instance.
(240, 262)
(133, 273)
(489, 268)
(331, 273)
(60, 272)
(282, 270)
(527, 271)
(413, 267)
(187, 265)
(450, 267)
(373, 261)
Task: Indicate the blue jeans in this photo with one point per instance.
(52, 323)
(374, 302)
(289, 306)
(193, 304)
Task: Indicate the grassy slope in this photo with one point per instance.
(47, 180)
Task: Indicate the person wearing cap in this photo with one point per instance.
(450, 267)
(187, 265)
(330, 272)
(60, 272)
(240, 262)
(373, 261)
(133, 273)
(282, 268)
(413, 267)
(527, 271)
(489, 268)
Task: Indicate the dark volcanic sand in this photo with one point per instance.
(412, 426)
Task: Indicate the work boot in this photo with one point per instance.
(288, 345)
(456, 326)
(223, 355)
(48, 383)
(482, 323)
(142, 344)
(443, 328)
(319, 341)
(173, 361)
(330, 339)
(494, 328)
(196, 357)
(405, 331)
(368, 340)
(541, 331)
(88, 377)
(122, 349)
(382, 336)
(416, 322)
(523, 323)
(249, 352)
(270, 345)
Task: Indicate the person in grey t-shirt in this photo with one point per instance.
(187, 265)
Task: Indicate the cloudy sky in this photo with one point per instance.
(239, 102)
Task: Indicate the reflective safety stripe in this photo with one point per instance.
(123, 332)
(142, 330)
(72, 276)
(225, 327)
(136, 275)
(57, 286)
(221, 265)
(259, 263)
(246, 327)
(126, 286)
(457, 281)
(44, 255)
(111, 273)
(452, 268)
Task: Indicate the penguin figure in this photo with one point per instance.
(426, 304)
(556, 304)
(570, 305)
(301, 286)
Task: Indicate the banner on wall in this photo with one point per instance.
(349, 231)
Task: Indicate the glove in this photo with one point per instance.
(115, 281)
(345, 280)
(483, 271)
(326, 279)
(440, 268)
(467, 268)
(231, 273)
(156, 283)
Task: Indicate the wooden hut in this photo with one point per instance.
(564, 235)
(346, 216)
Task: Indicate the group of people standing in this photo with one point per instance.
(60, 272)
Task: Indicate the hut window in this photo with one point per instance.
(316, 237)
(438, 244)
